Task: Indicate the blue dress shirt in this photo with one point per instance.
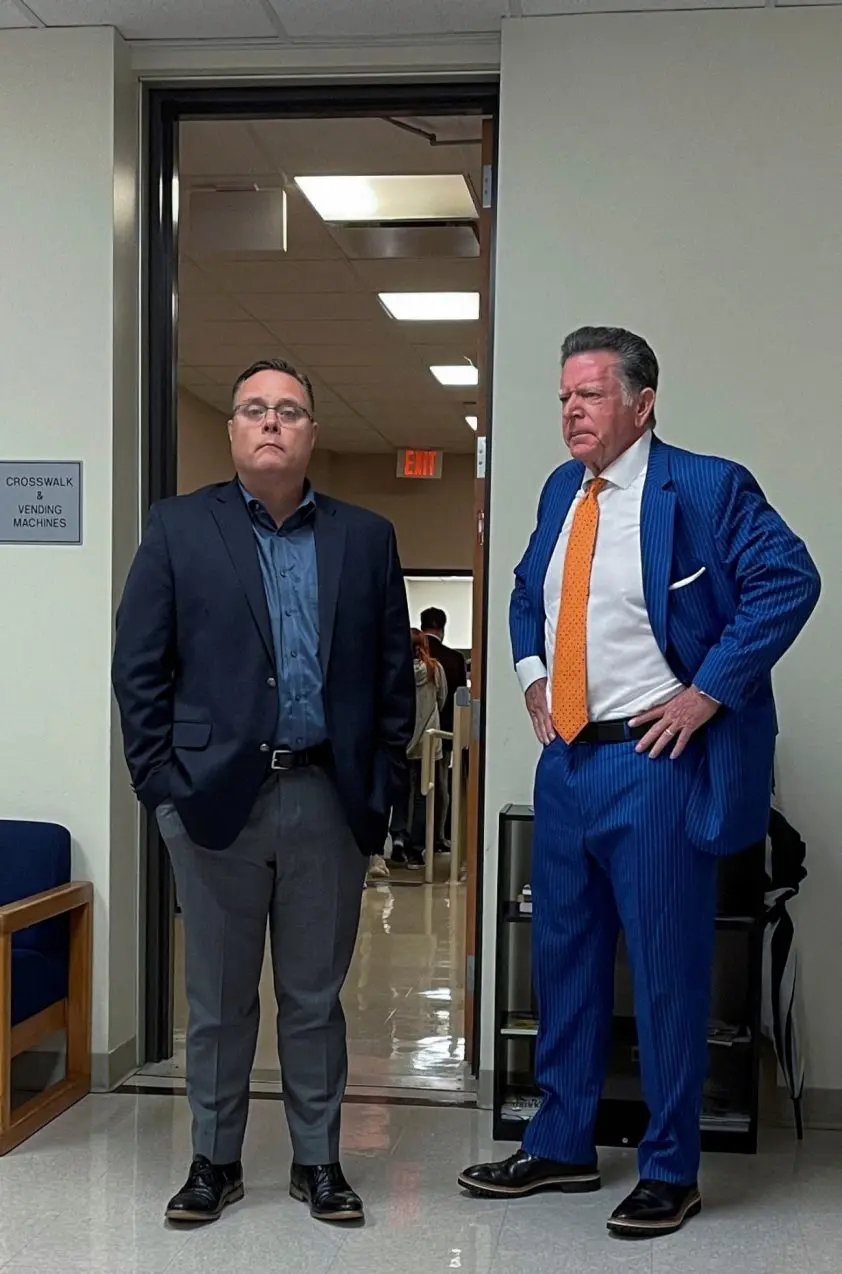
(288, 565)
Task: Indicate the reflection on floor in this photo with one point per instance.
(86, 1197)
(404, 998)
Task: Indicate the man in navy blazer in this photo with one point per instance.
(688, 588)
(263, 670)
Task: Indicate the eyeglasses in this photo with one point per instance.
(290, 415)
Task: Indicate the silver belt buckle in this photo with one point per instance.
(282, 759)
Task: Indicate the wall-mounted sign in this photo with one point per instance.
(40, 502)
(413, 463)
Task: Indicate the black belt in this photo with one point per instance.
(285, 759)
(611, 732)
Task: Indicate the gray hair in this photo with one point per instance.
(636, 358)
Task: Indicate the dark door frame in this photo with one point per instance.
(164, 109)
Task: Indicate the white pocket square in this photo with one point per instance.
(691, 579)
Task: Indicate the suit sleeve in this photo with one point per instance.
(144, 663)
(442, 689)
(526, 626)
(777, 585)
(396, 679)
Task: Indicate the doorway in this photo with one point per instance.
(208, 210)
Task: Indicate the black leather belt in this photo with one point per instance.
(285, 759)
(611, 732)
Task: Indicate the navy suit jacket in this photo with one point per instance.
(756, 586)
(194, 673)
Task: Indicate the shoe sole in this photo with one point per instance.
(337, 1218)
(559, 1185)
(196, 1218)
(655, 1229)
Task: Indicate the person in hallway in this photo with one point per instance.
(658, 591)
(433, 626)
(408, 817)
(263, 671)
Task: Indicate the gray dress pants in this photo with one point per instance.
(297, 867)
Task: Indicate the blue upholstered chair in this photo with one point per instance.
(45, 969)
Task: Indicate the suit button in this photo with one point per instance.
(264, 747)
(270, 681)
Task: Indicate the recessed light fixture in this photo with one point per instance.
(458, 374)
(432, 307)
(430, 197)
(473, 422)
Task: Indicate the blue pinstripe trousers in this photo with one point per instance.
(610, 850)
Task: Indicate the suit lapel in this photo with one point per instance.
(330, 557)
(657, 522)
(232, 517)
(559, 499)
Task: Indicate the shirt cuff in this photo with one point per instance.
(705, 695)
(529, 671)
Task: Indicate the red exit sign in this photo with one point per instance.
(413, 463)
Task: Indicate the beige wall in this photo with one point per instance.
(68, 264)
(204, 455)
(696, 198)
(434, 519)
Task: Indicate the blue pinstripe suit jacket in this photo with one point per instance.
(723, 633)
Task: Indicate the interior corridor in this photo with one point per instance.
(404, 997)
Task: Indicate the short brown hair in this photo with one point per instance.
(276, 365)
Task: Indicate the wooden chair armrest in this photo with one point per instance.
(54, 902)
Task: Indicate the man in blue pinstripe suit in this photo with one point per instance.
(675, 586)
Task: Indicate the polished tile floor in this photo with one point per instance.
(86, 1197)
(404, 998)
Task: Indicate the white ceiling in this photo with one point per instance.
(316, 304)
(320, 21)
(288, 20)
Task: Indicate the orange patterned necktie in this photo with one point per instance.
(570, 665)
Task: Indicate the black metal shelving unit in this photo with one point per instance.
(730, 1118)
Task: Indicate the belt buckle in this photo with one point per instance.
(283, 759)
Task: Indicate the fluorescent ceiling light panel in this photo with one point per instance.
(458, 374)
(473, 422)
(432, 197)
(432, 307)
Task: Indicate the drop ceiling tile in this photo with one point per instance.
(383, 379)
(161, 19)
(193, 279)
(222, 149)
(364, 19)
(364, 357)
(11, 16)
(432, 274)
(464, 351)
(213, 334)
(347, 147)
(192, 378)
(349, 307)
(200, 307)
(447, 335)
(224, 374)
(329, 332)
(215, 396)
(283, 277)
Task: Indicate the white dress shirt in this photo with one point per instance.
(627, 673)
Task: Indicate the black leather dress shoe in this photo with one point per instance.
(654, 1208)
(327, 1192)
(207, 1191)
(524, 1174)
